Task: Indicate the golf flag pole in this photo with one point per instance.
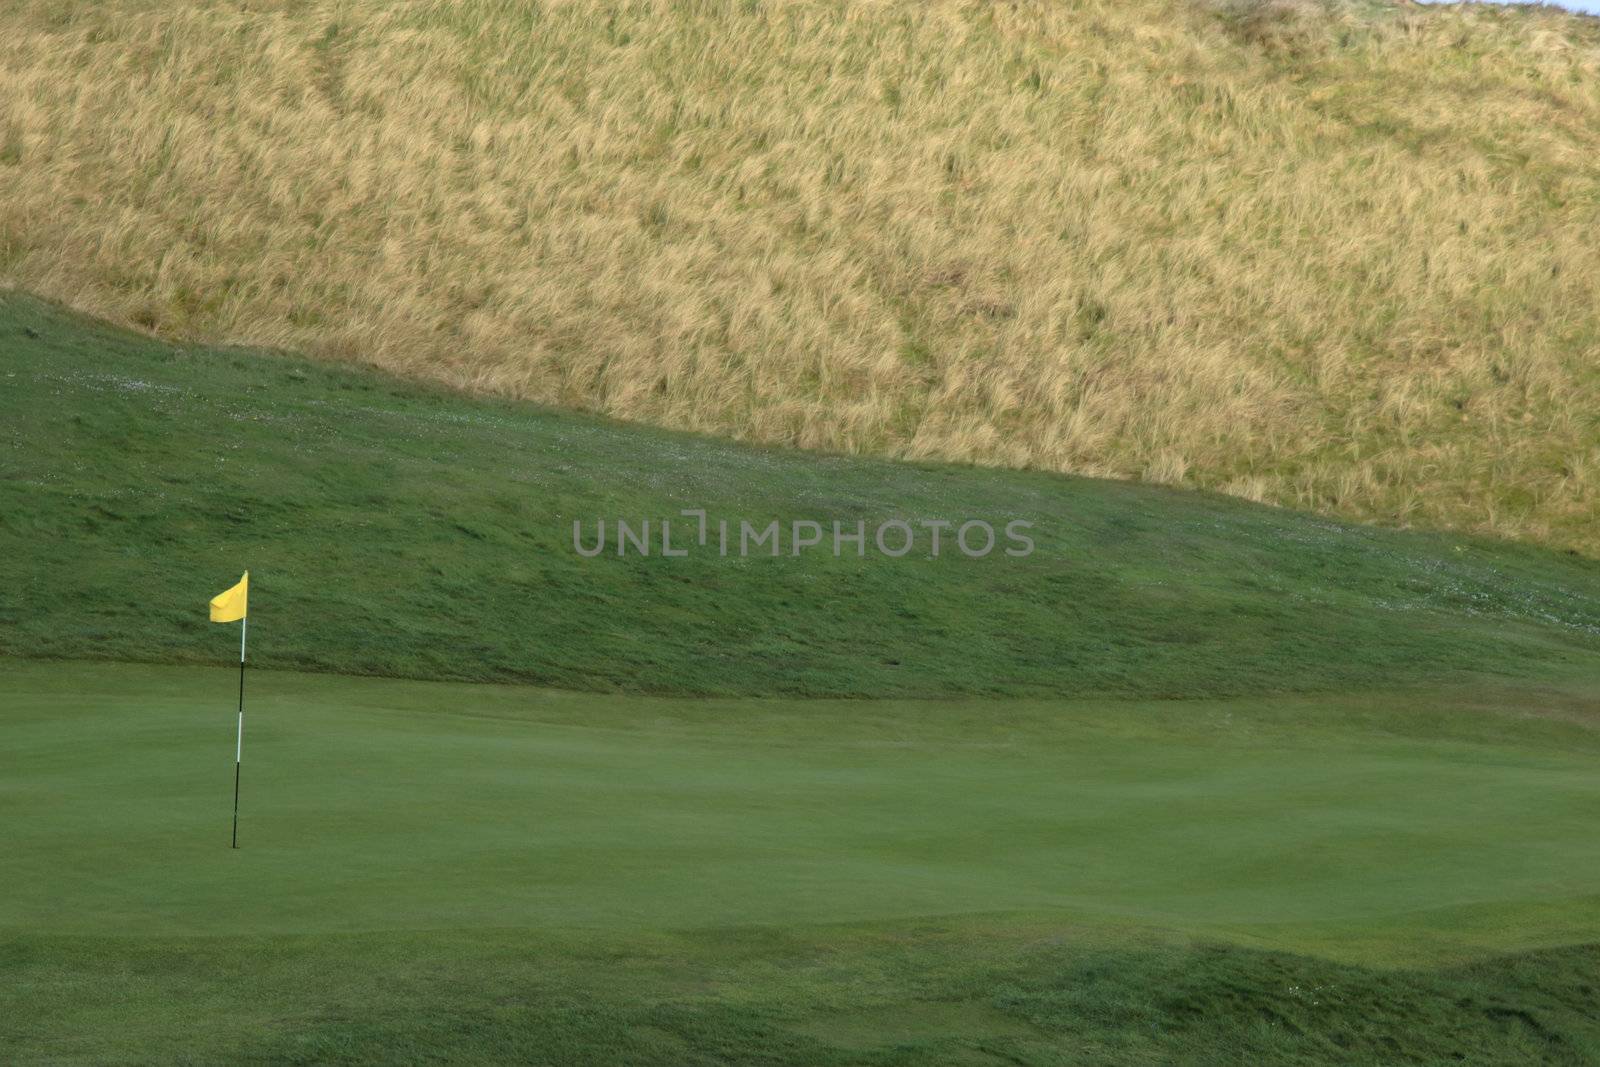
(238, 740)
(233, 606)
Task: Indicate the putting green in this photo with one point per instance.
(380, 805)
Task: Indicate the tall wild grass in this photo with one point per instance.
(1333, 255)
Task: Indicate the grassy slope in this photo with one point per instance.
(396, 530)
(453, 873)
(443, 872)
(1333, 255)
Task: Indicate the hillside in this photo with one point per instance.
(698, 861)
(1333, 255)
(397, 529)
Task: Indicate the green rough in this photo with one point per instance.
(393, 530)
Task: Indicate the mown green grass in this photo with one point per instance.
(1363, 837)
(447, 872)
(399, 531)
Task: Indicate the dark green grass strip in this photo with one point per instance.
(394, 530)
(884, 995)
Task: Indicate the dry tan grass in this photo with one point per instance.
(1327, 257)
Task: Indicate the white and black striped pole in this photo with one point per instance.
(238, 745)
(233, 605)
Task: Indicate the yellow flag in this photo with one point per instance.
(230, 606)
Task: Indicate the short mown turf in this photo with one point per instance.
(436, 871)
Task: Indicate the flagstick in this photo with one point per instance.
(238, 747)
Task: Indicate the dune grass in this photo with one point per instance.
(393, 529)
(438, 872)
(1332, 255)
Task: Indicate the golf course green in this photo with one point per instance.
(741, 863)
(1197, 782)
(377, 805)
